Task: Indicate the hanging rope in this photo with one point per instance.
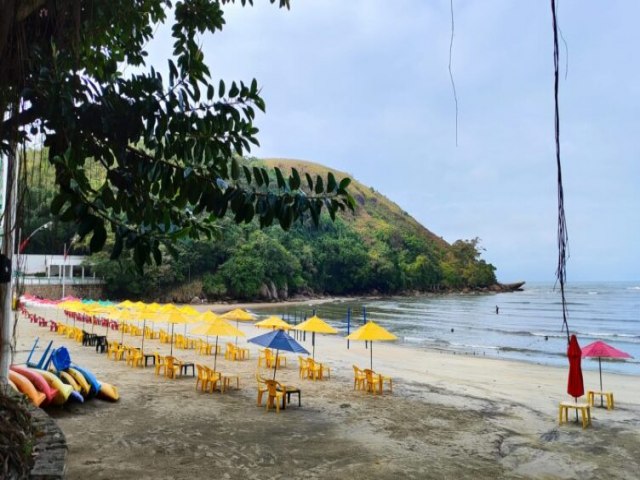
(453, 84)
(563, 237)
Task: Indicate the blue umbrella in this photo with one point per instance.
(278, 340)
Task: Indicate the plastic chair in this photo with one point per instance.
(262, 388)
(172, 366)
(317, 370)
(303, 367)
(159, 364)
(214, 378)
(275, 394)
(203, 377)
(134, 358)
(359, 378)
(375, 381)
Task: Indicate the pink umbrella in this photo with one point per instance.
(602, 350)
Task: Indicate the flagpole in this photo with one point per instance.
(64, 262)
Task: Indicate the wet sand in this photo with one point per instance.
(449, 416)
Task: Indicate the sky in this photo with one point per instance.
(363, 87)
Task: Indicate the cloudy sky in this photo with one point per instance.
(363, 87)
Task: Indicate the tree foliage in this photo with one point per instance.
(166, 148)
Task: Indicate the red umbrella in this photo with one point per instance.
(602, 350)
(575, 386)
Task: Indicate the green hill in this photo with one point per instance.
(377, 249)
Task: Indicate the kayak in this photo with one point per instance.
(85, 388)
(38, 381)
(69, 380)
(64, 390)
(108, 392)
(90, 378)
(25, 386)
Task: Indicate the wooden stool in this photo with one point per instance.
(608, 395)
(584, 408)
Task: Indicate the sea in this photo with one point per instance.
(527, 325)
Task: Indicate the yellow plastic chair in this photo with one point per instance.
(214, 378)
(202, 378)
(113, 350)
(375, 381)
(134, 358)
(359, 378)
(172, 366)
(271, 359)
(275, 394)
(262, 388)
(262, 357)
(159, 364)
(303, 367)
(317, 370)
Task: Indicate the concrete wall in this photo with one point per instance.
(55, 291)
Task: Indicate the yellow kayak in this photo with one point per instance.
(108, 392)
(69, 380)
(85, 388)
(54, 381)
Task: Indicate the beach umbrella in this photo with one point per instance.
(220, 328)
(278, 340)
(371, 332)
(238, 315)
(575, 383)
(173, 318)
(125, 304)
(273, 322)
(315, 325)
(602, 350)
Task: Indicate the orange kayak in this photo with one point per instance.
(26, 387)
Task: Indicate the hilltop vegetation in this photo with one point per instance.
(378, 249)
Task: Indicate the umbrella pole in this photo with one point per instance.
(238, 327)
(371, 353)
(171, 340)
(313, 344)
(106, 334)
(215, 355)
(600, 368)
(144, 324)
(275, 365)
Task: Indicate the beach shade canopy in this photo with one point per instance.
(273, 322)
(238, 315)
(371, 332)
(207, 317)
(315, 325)
(189, 310)
(125, 304)
(173, 318)
(278, 340)
(602, 350)
(217, 327)
(575, 384)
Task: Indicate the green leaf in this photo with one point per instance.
(344, 183)
(233, 91)
(258, 176)
(235, 169)
(221, 88)
(280, 178)
(99, 237)
(309, 181)
(294, 180)
(331, 182)
(247, 174)
(319, 185)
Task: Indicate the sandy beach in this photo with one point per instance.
(449, 416)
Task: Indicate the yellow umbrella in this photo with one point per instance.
(220, 328)
(125, 304)
(371, 332)
(189, 310)
(238, 315)
(73, 306)
(95, 310)
(273, 322)
(315, 325)
(173, 318)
